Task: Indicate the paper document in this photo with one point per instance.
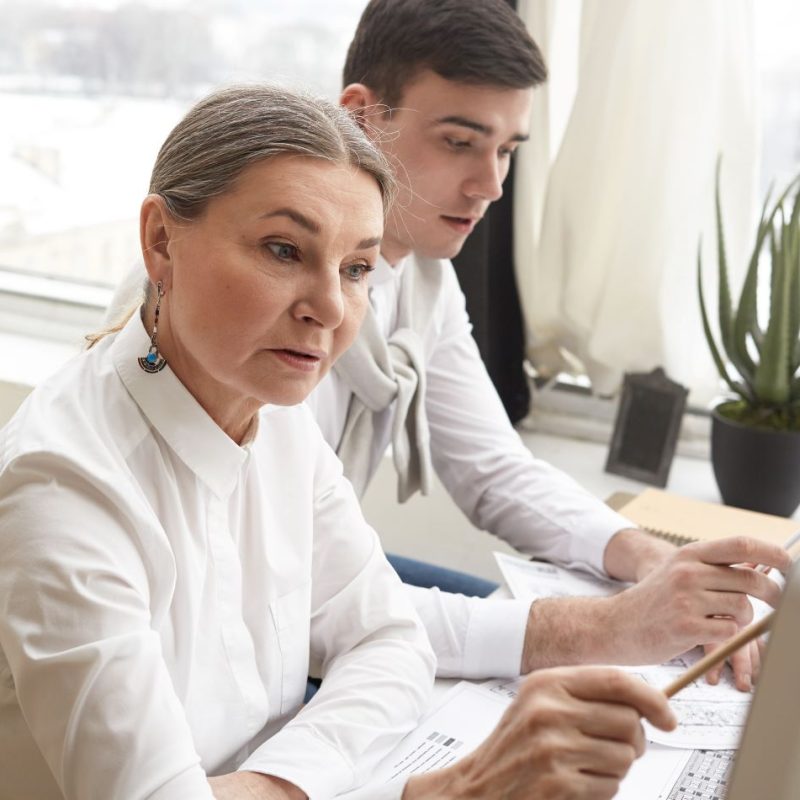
(709, 717)
(532, 580)
(664, 773)
(652, 776)
(466, 715)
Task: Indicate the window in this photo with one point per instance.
(776, 44)
(89, 90)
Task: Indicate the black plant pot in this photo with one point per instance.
(756, 469)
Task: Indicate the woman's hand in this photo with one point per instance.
(253, 786)
(571, 733)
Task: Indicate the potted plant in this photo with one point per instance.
(755, 435)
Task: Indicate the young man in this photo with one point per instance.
(445, 88)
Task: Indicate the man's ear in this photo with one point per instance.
(362, 103)
(156, 227)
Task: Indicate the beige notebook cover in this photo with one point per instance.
(683, 520)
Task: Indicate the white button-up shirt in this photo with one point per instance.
(162, 589)
(488, 471)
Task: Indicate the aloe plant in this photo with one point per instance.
(761, 362)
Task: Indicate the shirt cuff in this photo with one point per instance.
(587, 552)
(495, 638)
(393, 790)
(190, 785)
(304, 760)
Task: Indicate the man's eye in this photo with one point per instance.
(457, 144)
(355, 272)
(506, 152)
(283, 251)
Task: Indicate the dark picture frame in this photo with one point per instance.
(646, 428)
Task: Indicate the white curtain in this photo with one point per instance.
(607, 220)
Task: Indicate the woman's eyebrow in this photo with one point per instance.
(313, 227)
(478, 127)
(295, 216)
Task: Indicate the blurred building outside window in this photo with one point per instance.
(89, 90)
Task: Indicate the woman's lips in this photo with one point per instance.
(298, 359)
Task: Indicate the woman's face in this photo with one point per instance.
(269, 287)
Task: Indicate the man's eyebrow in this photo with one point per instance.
(295, 216)
(478, 127)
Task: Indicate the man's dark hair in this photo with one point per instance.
(481, 42)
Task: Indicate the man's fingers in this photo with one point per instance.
(715, 630)
(741, 580)
(740, 550)
(731, 605)
(755, 660)
(742, 665)
(727, 580)
(762, 647)
(745, 664)
(714, 674)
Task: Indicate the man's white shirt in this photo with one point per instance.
(488, 471)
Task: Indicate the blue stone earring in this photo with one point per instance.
(154, 361)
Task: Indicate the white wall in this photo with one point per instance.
(429, 528)
(11, 395)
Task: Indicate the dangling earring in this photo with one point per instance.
(154, 361)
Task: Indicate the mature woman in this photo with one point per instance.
(176, 539)
(174, 531)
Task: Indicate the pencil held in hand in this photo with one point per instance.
(745, 636)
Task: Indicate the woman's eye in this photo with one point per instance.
(355, 272)
(283, 251)
(457, 144)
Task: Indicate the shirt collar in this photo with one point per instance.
(172, 410)
(384, 271)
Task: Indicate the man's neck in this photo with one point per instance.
(393, 252)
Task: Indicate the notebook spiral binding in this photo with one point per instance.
(673, 538)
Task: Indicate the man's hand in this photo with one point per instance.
(684, 597)
(696, 596)
(571, 733)
(746, 665)
(246, 785)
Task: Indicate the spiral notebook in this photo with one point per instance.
(682, 520)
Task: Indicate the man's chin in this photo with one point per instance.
(439, 247)
(446, 250)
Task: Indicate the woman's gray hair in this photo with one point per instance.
(237, 126)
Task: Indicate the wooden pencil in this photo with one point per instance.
(745, 636)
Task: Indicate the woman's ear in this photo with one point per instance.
(363, 104)
(156, 227)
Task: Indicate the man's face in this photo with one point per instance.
(451, 145)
